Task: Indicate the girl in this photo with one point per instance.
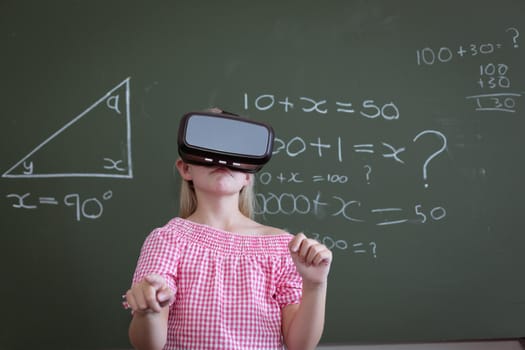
(213, 278)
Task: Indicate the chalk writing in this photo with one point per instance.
(351, 210)
(443, 146)
(515, 35)
(88, 208)
(108, 106)
(113, 105)
(368, 108)
(330, 242)
(358, 248)
(498, 102)
(20, 201)
(112, 164)
(429, 56)
(494, 76)
(296, 146)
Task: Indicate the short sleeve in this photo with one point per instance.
(158, 256)
(289, 284)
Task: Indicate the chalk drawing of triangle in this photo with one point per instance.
(96, 143)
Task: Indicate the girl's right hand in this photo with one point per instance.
(151, 294)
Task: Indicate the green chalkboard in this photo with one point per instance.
(399, 144)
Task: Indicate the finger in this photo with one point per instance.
(130, 300)
(324, 257)
(144, 296)
(165, 296)
(139, 300)
(313, 251)
(306, 244)
(164, 303)
(296, 241)
(156, 281)
(150, 297)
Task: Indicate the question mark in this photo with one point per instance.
(368, 171)
(433, 155)
(374, 245)
(515, 37)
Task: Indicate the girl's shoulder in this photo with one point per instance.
(256, 228)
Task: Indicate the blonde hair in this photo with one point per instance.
(188, 199)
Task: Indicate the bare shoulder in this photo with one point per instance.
(270, 230)
(254, 227)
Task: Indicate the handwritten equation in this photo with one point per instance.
(494, 77)
(355, 247)
(368, 108)
(352, 210)
(430, 56)
(85, 208)
(297, 146)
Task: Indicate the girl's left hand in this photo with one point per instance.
(311, 258)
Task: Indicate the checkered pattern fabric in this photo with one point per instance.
(230, 288)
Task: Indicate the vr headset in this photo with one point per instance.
(225, 139)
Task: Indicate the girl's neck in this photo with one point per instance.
(226, 221)
(220, 213)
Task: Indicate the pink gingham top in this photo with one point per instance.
(230, 288)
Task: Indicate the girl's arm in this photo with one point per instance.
(303, 323)
(148, 330)
(149, 300)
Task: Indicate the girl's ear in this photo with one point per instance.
(249, 178)
(184, 169)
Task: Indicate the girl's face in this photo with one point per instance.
(213, 179)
